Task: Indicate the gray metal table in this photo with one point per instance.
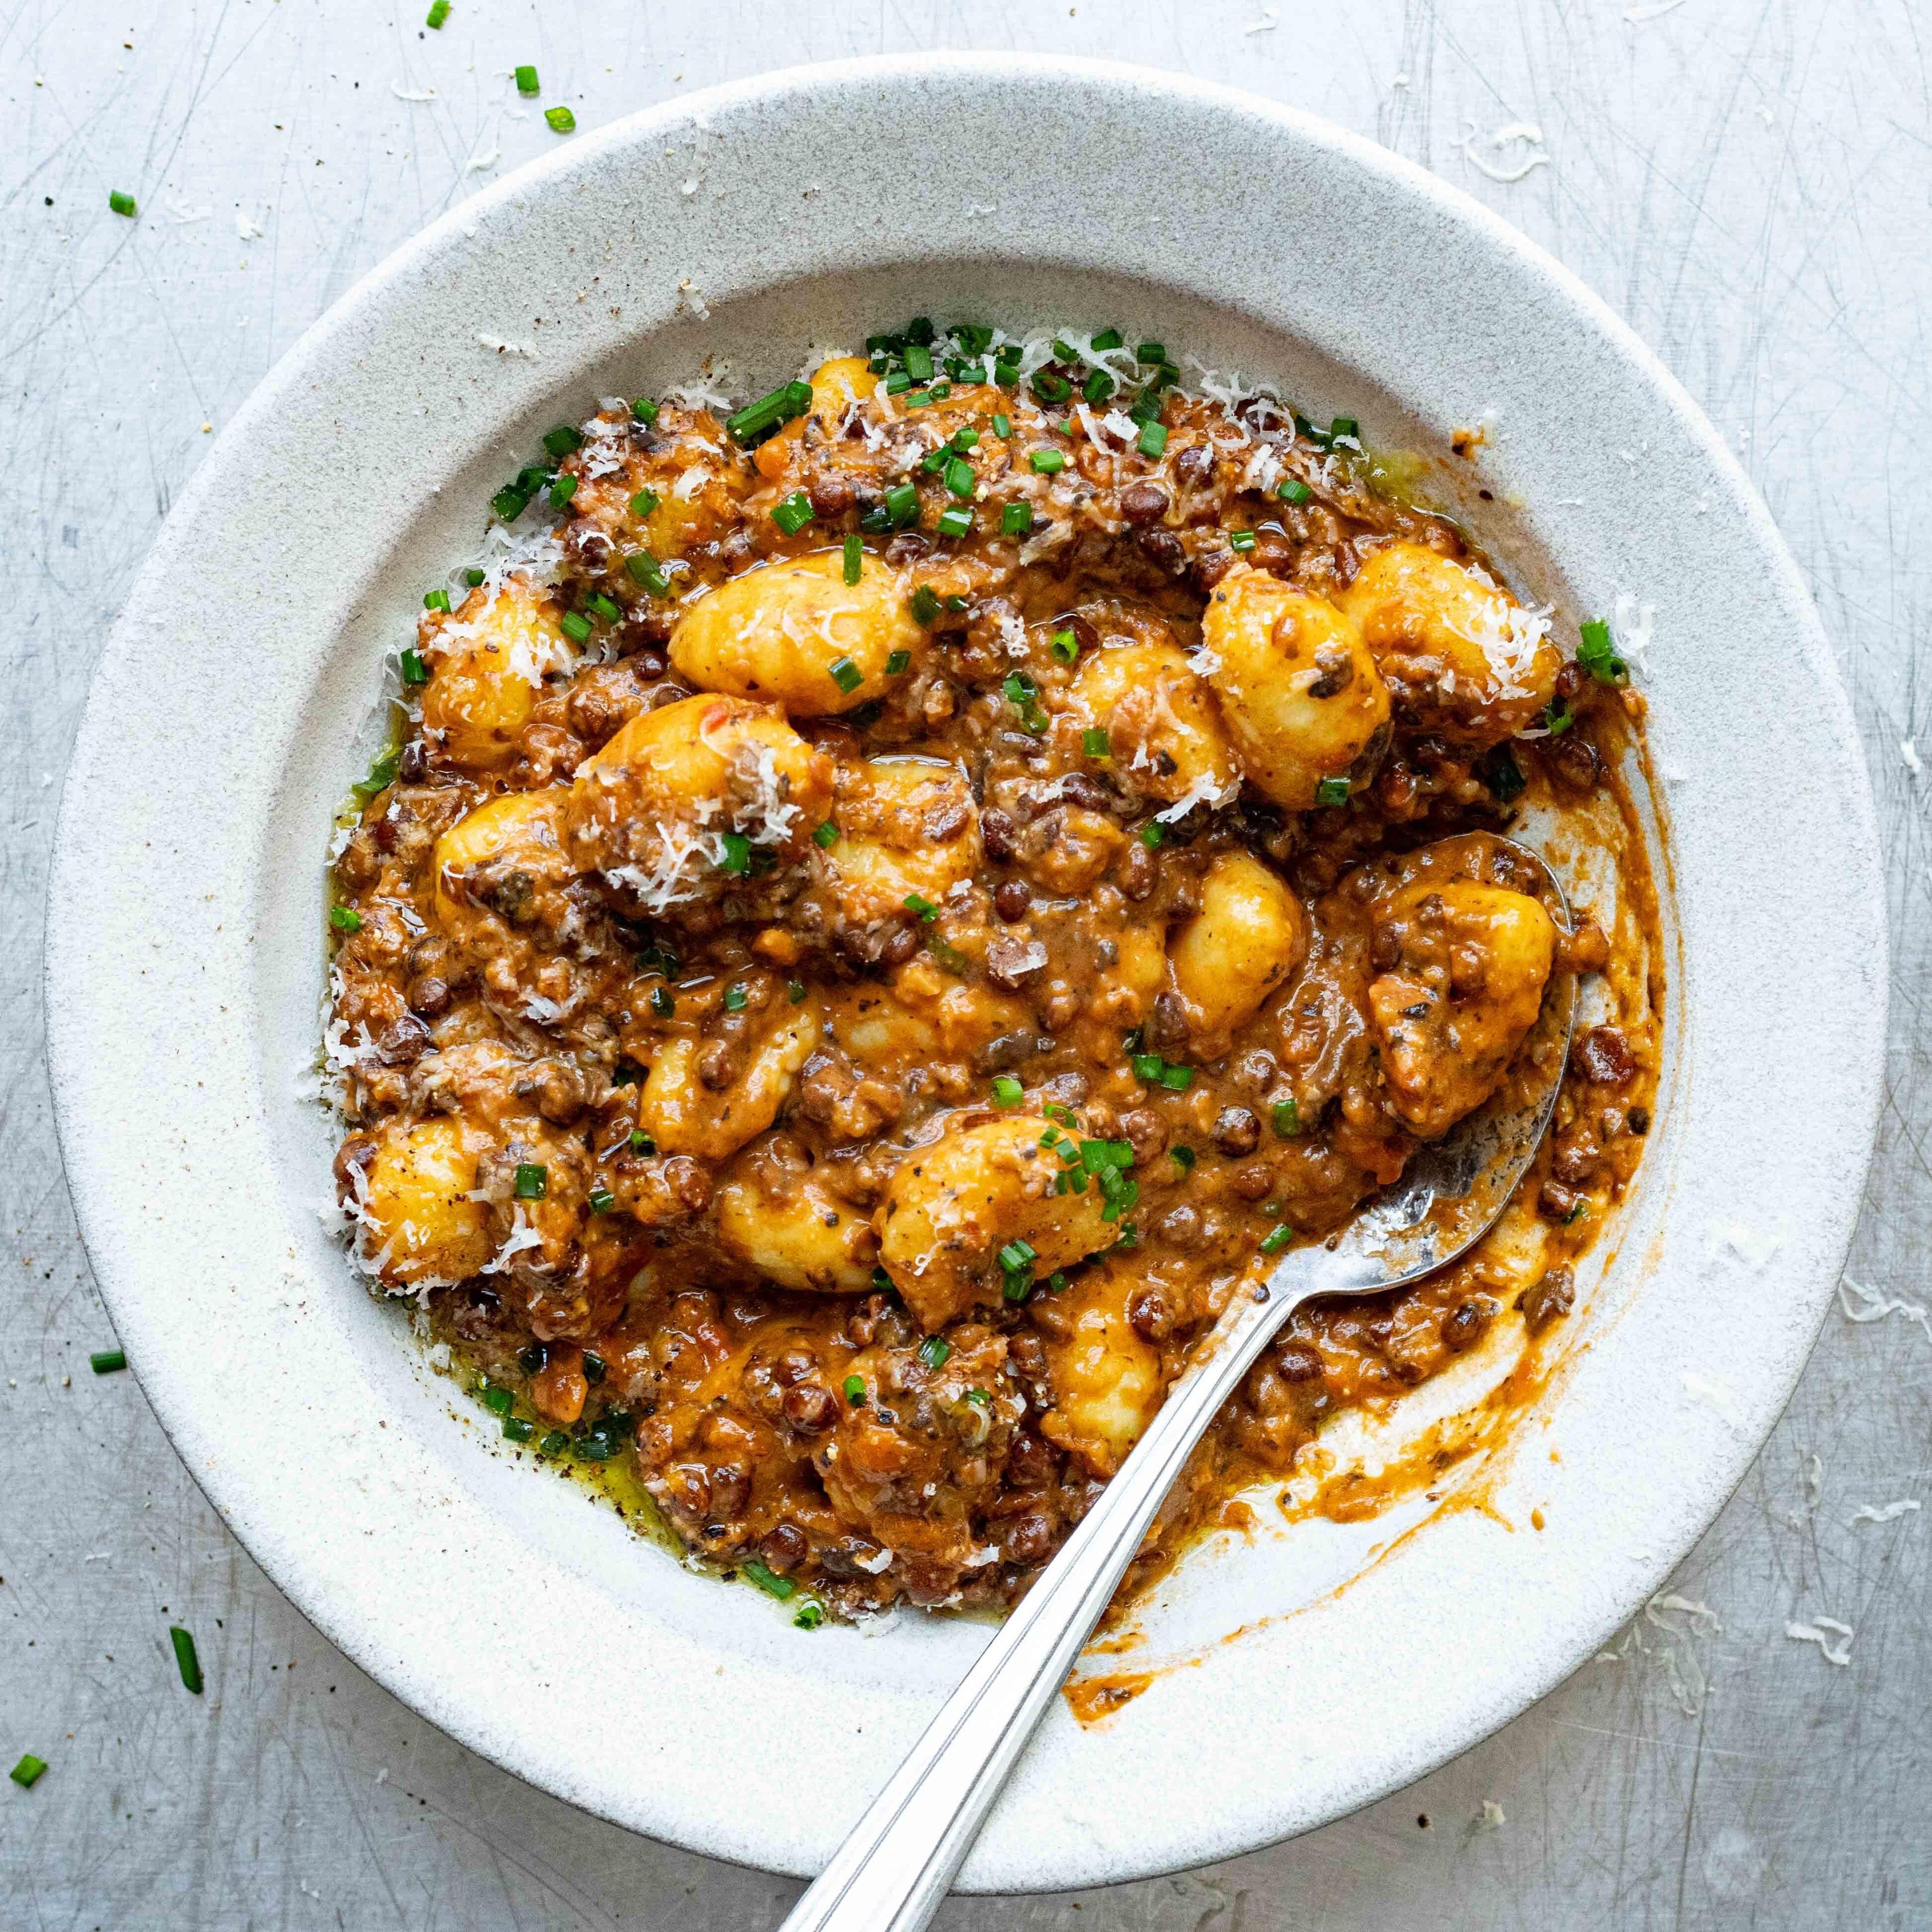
(1747, 183)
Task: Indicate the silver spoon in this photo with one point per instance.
(898, 1860)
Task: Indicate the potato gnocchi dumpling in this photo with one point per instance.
(488, 661)
(1107, 1380)
(1305, 704)
(955, 1204)
(1468, 965)
(709, 1096)
(1249, 936)
(775, 1214)
(495, 856)
(416, 1222)
(797, 634)
(1164, 737)
(1462, 658)
(906, 826)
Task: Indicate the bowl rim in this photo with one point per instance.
(1019, 1859)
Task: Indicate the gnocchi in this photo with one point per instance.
(1165, 736)
(1470, 961)
(1107, 1380)
(685, 1113)
(1250, 936)
(488, 662)
(906, 826)
(1462, 658)
(777, 1215)
(1305, 704)
(416, 1223)
(496, 852)
(953, 1206)
(797, 634)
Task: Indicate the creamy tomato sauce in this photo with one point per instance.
(887, 907)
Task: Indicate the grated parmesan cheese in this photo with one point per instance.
(1815, 1632)
(1884, 1513)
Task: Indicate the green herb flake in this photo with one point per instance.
(516, 1429)
(108, 1361)
(1047, 462)
(532, 1180)
(1150, 352)
(1007, 1092)
(791, 514)
(1287, 1118)
(29, 1768)
(1241, 542)
(414, 671)
(663, 1003)
(474, 576)
(1183, 1157)
(1002, 425)
(846, 675)
(186, 1661)
(1595, 653)
(1094, 742)
(925, 604)
(855, 1390)
(1277, 1238)
(1153, 834)
(526, 80)
(735, 999)
(1152, 444)
(1177, 1079)
(644, 503)
(933, 1351)
(435, 600)
(345, 919)
(576, 626)
(1294, 490)
(810, 1615)
(737, 859)
(1016, 520)
(1332, 791)
(769, 1581)
(757, 421)
(642, 1143)
(955, 520)
(648, 571)
(122, 204)
(601, 1201)
(645, 410)
(826, 836)
(795, 992)
(854, 556)
(919, 903)
(898, 663)
(561, 119)
(439, 12)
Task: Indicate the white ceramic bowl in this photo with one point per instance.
(234, 702)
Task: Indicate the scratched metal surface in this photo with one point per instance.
(1746, 181)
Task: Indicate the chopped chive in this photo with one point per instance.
(1177, 1079)
(1152, 444)
(1344, 426)
(1007, 1092)
(345, 919)
(29, 1767)
(1183, 1158)
(1287, 1118)
(933, 1351)
(919, 903)
(855, 1390)
(898, 382)
(1048, 462)
(562, 490)
(917, 399)
(960, 478)
(854, 559)
(186, 1661)
(601, 1201)
(575, 625)
(516, 1429)
(956, 521)
(1153, 834)
(1016, 1254)
(1147, 1066)
(1065, 645)
(474, 576)
(1002, 425)
(756, 421)
(919, 361)
(1150, 352)
(554, 1444)
(122, 204)
(1095, 743)
(1108, 338)
(532, 1180)
(933, 463)
(648, 571)
(1277, 1239)
(1294, 490)
(527, 81)
(810, 1615)
(735, 999)
(769, 1581)
(602, 607)
(108, 1361)
(1098, 386)
(642, 1143)
(925, 604)
(439, 12)
(1558, 719)
(1596, 654)
(846, 675)
(561, 120)
(644, 503)
(662, 1002)
(826, 837)
(1016, 520)
(1332, 791)
(964, 439)
(737, 859)
(561, 441)
(898, 662)
(435, 600)
(902, 501)
(1241, 542)
(882, 1281)
(795, 991)
(1049, 388)
(414, 671)
(791, 514)
(645, 410)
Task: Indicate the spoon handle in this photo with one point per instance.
(898, 1861)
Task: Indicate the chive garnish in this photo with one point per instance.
(644, 503)
(601, 1201)
(561, 119)
(186, 1661)
(345, 919)
(1007, 1092)
(934, 1351)
(919, 903)
(439, 12)
(1095, 743)
(791, 514)
(1332, 791)
(955, 520)
(854, 559)
(826, 837)
(108, 1361)
(737, 859)
(902, 504)
(810, 1615)
(435, 600)
(1016, 520)
(898, 662)
(648, 571)
(1294, 490)
(855, 1390)
(1287, 1118)
(29, 1767)
(1065, 645)
(756, 421)
(734, 999)
(925, 604)
(641, 1142)
(526, 80)
(122, 204)
(414, 671)
(645, 410)
(1241, 542)
(532, 1179)
(1152, 444)
(1047, 462)
(846, 675)
(1277, 1238)
(575, 625)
